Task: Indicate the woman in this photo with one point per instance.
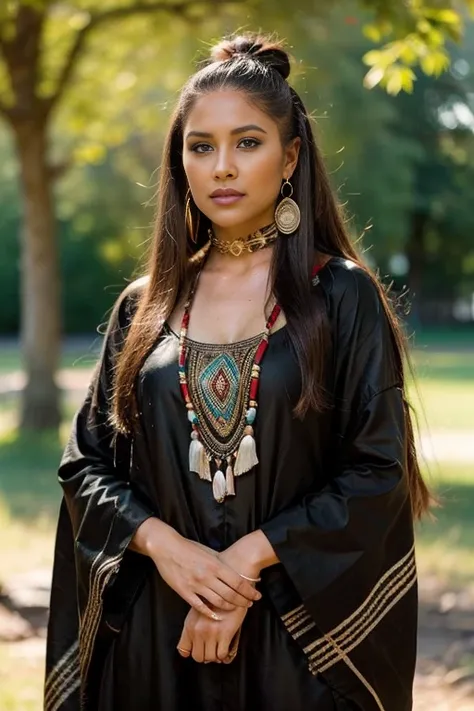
(240, 483)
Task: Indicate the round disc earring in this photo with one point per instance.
(287, 214)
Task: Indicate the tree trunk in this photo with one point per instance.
(415, 250)
(40, 292)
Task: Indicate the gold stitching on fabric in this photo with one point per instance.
(66, 694)
(371, 610)
(288, 615)
(349, 643)
(302, 631)
(334, 646)
(358, 674)
(93, 612)
(304, 616)
(60, 676)
(368, 601)
(55, 670)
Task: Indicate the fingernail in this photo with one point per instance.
(216, 617)
(259, 596)
(250, 604)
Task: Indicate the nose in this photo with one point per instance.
(224, 167)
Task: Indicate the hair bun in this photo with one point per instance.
(268, 51)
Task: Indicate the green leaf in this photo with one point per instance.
(408, 77)
(372, 32)
(408, 54)
(394, 81)
(373, 57)
(435, 63)
(373, 77)
(445, 16)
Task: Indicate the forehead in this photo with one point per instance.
(221, 111)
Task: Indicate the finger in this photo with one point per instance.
(202, 608)
(210, 649)
(198, 649)
(184, 645)
(230, 596)
(240, 585)
(223, 648)
(216, 600)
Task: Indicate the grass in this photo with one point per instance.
(444, 546)
(76, 356)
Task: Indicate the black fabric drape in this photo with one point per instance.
(337, 624)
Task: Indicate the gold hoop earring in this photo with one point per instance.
(188, 218)
(287, 214)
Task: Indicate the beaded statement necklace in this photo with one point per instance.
(221, 401)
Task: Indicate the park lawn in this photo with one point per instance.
(443, 390)
(75, 357)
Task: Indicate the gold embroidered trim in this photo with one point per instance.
(298, 620)
(335, 645)
(358, 674)
(74, 684)
(366, 626)
(63, 679)
(91, 618)
(406, 561)
(303, 631)
(289, 615)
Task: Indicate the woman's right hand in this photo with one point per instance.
(193, 571)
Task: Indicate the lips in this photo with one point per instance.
(226, 192)
(226, 196)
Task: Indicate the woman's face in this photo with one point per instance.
(229, 143)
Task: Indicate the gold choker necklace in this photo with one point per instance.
(257, 240)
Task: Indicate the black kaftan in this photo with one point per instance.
(336, 628)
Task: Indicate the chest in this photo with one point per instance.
(226, 309)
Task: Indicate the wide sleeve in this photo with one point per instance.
(100, 512)
(348, 548)
(104, 508)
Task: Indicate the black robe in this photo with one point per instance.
(336, 628)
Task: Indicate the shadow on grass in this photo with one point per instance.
(28, 483)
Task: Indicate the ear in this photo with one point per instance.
(292, 152)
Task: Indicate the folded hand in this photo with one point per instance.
(208, 640)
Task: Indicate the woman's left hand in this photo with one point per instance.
(208, 640)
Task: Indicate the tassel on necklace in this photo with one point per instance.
(247, 453)
(229, 478)
(198, 461)
(219, 487)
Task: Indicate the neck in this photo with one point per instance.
(242, 264)
(233, 232)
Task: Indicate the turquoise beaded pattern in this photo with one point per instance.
(218, 384)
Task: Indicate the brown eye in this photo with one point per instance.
(249, 143)
(198, 146)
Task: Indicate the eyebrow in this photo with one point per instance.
(235, 131)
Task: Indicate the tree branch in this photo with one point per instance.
(117, 13)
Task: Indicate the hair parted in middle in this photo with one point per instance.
(259, 67)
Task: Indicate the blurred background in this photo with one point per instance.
(85, 96)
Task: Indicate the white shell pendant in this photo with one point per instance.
(219, 488)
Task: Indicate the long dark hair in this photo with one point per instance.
(259, 67)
